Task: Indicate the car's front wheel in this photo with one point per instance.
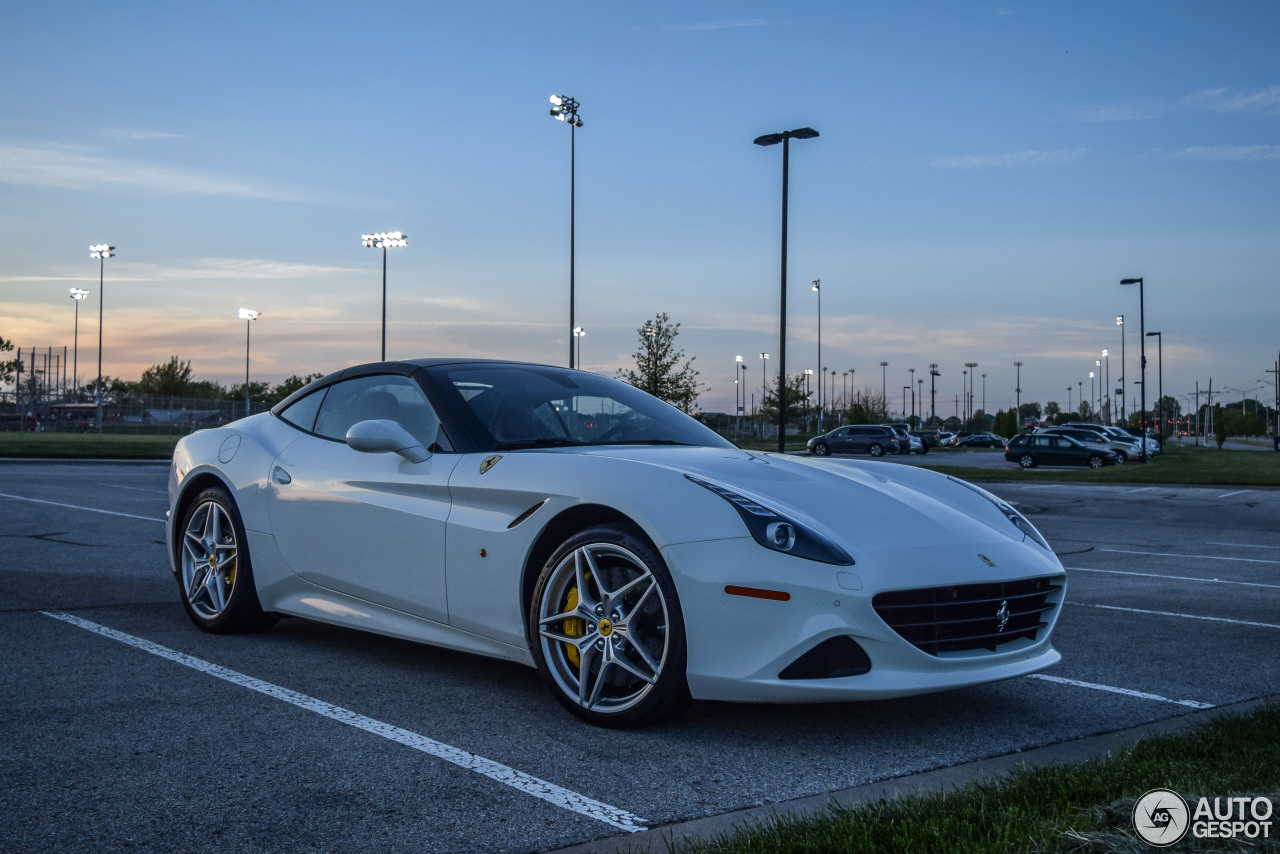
(876, 451)
(607, 631)
(1027, 461)
(1095, 462)
(214, 571)
(821, 449)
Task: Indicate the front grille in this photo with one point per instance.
(967, 617)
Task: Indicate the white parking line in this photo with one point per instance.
(519, 780)
(1237, 492)
(1139, 489)
(78, 507)
(1175, 614)
(1193, 557)
(134, 488)
(1175, 577)
(1142, 695)
(1242, 545)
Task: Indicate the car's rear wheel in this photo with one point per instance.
(214, 571)
(924, 449)
(821, 449)
(607, 631)
(1095, 462)
(1027, 461)
(876, 451)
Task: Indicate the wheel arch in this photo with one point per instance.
(563, 525)
(192, 487)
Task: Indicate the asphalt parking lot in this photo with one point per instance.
(128, 728)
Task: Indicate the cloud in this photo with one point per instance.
(201, 268)
(1230, 152)
(73, 169)
(1016, 158)
(1226, 100)
(140, 135)
(719, 25)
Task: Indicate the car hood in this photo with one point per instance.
(860, 504)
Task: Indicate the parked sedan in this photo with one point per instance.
(572, 523)
(1124, 450)
(1037, 449)
(928, 438)
(980, 440)
(855, 439)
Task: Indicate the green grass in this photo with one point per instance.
(87, 446)
(1061, 808)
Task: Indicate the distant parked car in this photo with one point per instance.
(1124, 450)
(946, 438)
(1047, 449)
(902, 437)
(855, 439)
(980, 440)
(928, 438)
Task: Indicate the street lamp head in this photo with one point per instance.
(884, 364)
(1119, 320)
(558, 100)
(737, 358)
(764, 355)
(1137, 281)
(768, 139)
(102, 250)
(817, 284)
(1106, 353)
(249, 314)
(808, 372)
(579, 331)
(385, 240)
(1097, 363)
(1091, 375)
(565, 110)
(79, 293)
(1149, 334)
(802, 133)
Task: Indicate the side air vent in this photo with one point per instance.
(831, 659)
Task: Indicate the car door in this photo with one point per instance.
(370, 525)
(842, 440)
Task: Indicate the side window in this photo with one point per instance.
(1043, 441)
(302, 412)
(382, 397)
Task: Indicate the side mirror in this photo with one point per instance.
(381, 437)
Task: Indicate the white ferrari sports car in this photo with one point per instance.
(573, 523)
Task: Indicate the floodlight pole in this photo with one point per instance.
(1142, 340)
(1017, 396)
(102, 252)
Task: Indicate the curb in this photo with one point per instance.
(95, 461)
(659, 839)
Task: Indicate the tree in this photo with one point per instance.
(658, 365)
(166, 380)
(867, 407)
(1029, 410)
(797, 402)
(1168, 410)
(8, 367)
(1052, 410)
(290, 385)
(1084, 410)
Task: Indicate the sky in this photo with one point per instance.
(986, 175)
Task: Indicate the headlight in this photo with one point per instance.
(1019, 521)
(776, 532)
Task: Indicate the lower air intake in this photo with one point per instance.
(831, 659)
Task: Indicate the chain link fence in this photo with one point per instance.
(129, 414)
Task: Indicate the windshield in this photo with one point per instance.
(509, 407)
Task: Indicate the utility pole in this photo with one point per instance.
(1198, 419)
(1017, 392)
(1276, 378)
(933, 391)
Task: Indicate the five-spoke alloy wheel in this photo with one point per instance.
(213, 567)
(607, 631)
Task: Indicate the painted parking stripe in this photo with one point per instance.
(1237, 492)
(1175, 614)
(134, 488)
(1142, 695)
(1242, 545)
(1139, 489)
(78, 507)
(1175, 577)
(1192, 557)
(519, 780)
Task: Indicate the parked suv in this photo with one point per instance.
(902, 437)
(855, 439)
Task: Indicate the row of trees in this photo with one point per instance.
(174, 379)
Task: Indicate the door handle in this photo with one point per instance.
(281, 476)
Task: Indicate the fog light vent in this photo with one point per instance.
(831, 659)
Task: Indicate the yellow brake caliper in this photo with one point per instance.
(574, 628)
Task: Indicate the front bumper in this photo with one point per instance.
(738, 645)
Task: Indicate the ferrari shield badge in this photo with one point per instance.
(489, 462)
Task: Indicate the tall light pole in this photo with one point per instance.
(844, 390)
(102, 252)
(920, 422)
(1120, 323)
(578, 333)
(808, 372)
(1017, 396)
(384, 240)
(1142, 340)
(1068, 398)
(817, 288)
(77, 294)
(737, 392)
(933, 390)
(785, 138)
(743, 407)
(1106, 354)
(1160, 379)
(1097, 399)
(969, 401)
(904, 400)
(248, 315)
(984, 394)
(1092, 397)
(764, 389)
(884, 373)
(1079, 393)
(912, 371)
(565, 109)
(964, 392)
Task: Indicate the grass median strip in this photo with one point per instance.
(81, 446)
(1060, 808)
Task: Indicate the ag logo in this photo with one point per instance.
(489, 462)
(1160, 817)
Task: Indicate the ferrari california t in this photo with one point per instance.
(575, 524)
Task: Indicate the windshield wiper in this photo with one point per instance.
(549, 442)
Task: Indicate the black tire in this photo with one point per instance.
(1095, 462)
(226, 599)
(876, 450)
(641, 629)
(1027, 461)
(924, 449)
(820, 449)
